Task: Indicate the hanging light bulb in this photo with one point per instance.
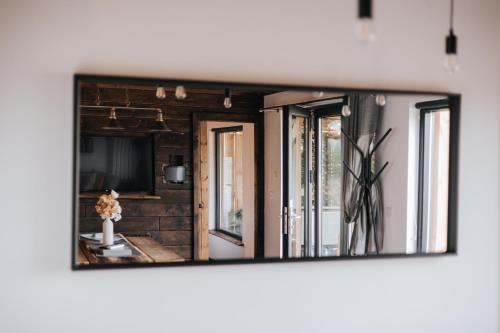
(450, 60)
(227, 99)
(180, 92)
(346, 110)
(113, 123)
(160, 92)
(380, 100)
(364, 27)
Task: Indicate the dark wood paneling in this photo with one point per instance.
(169, 219)
(94, 224)
(176, 223)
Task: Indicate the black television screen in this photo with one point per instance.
(118, 163)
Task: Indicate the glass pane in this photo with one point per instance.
(230, 182)
(297, 164)
(435, 181)
(330, 178)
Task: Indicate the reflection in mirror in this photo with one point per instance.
(259, 173)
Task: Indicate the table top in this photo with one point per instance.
(150, 252)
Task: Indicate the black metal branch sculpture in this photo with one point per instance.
(365, 180)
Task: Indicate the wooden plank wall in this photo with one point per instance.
(169, 220)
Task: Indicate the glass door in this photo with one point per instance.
(329, 226)
(297, 193)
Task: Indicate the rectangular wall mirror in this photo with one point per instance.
(172, 172)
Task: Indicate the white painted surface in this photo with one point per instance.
(400, 178)
(297, 42)
(273, 196)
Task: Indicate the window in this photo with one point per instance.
(433, 179)
(229, 180)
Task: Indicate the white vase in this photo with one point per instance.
(107, 232)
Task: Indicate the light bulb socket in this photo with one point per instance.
(227, 93)
(451, 43)
(365, 9)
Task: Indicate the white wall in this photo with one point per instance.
(401, 150)
(298, 42)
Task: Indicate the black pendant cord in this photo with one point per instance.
(452, 9)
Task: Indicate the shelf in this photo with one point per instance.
(123, 196)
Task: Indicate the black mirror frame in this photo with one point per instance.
(454, 106)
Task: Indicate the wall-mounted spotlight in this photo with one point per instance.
(364, 27)
(450, 60)
(227, 98)
(380, 99)
(113, 123)
(160, 92)
(346, 109)
(180, 92)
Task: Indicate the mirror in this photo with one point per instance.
(172, 172)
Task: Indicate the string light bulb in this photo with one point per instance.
(180, 92)
(160, 92)
(227, 99)
(365, 31)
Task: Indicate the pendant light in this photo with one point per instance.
(346, 109)
(450, 60)
(227, 98)
(318, 94)
(180, 92)
(380, 99)
(364, 27)
(113, 123)
(159, 124)
(160, 92)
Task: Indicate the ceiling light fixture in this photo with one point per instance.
(227, 98)
(113, 123)
(450, 60)
(180, 92)
(364, 27)
(160, 92)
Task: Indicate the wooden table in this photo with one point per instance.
(150, 252)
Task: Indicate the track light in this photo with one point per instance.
(113, 123)
(380, 100)
(450, 60)
(159, 124)
(227, 99)
(364, 27)
(180, 92)
(346, 110)
(160, 92)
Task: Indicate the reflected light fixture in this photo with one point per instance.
(450, 59)
(159, 124)
(227, 98)
(346, 109)
(180, 92)
(364, 27)
(113, 123)
(380, 100)
(160, 92)
(318, 94)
